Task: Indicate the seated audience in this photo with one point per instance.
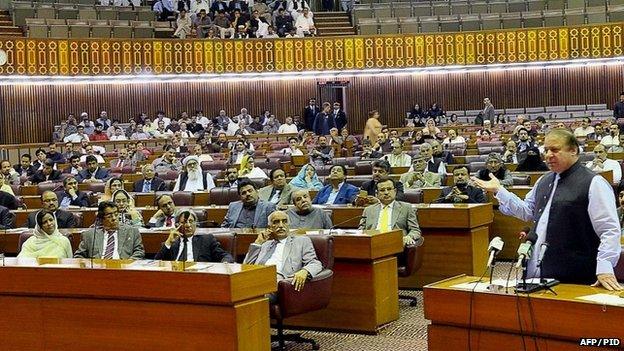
(279, 192)
(453, 140)
(240, 151)
(54, 155)
(98, 134)
(10, 175)
(122, 242)
(46, 241)
(193, 178)
(24, 168)
(532, 162)
(70, 195)
(598, 134)
(198, 152)
(128, 215)
(435, 165)
(292, 148)
(430, 131)
(183, 25)
(49, 202)
(93, 173)
(601, 163)
(288, 127)
(461, 192)
(389, 214)
(90, 151)
(494, 165)
(613, 138)
(74, 166)
(47, 174)
(231, 177)
(303, 215)
(123, 160)
(149, 182)
(398, 157)
(276, 246)
(249, 170)
(381, 170)
(420, 177)
(4, 187)
(168, 162)
(307, 179)
(618, 148)
(620, 209)
(140, 134)
(166, 214)
(585, 129)
(250, 211)
(112, 185)
(322, 154)
(183, 244)
(338, 191)
(439, 153)
(524, 141)
(511, 152)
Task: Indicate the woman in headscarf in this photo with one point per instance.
(532, 162)
(111, 186)
(307, 179)
(127, 213)
(495, 165)
(249, 170)
(47, 241)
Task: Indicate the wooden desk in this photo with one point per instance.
(221, 308)
(557, 322)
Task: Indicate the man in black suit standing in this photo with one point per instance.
(309, 114)
(340, 118)
(71, 196)
(149, 182)
(49, 202)
(183, 245)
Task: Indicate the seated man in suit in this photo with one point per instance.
(193, 178)
(149, 182)
(293, 255)
(25, 168)
(122, 160)
(49, 201)
(420, 177)
(461, 192)
(183, 245)
(249, 212)
(303, 215)
(166, 214)
(231, 177)
(279, 192)
(7, 218)
(74, 165)
(47, 174)
(338, 191)
(381, 169)
(108, 240)
(71, 196)
(390, 214)
(93, 173)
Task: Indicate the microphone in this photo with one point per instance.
(495, 246)
(542, 252)
(524, 252)
(335, 226)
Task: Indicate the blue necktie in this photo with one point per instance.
(146, 186)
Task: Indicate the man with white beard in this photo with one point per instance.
(192, 178)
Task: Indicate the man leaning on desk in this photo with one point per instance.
(183, 245)
(108, 240)
(573, 212)
(389, 214)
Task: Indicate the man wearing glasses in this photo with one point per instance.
(108, 240)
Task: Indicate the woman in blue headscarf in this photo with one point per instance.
(307, 179)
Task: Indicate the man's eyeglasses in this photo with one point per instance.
(111, 214)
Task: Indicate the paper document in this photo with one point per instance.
(604, 299)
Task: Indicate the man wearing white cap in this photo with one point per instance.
(192, 178)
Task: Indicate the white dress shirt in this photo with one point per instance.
(287, 128)
(277, 258)
(389, 227)
(115, 250)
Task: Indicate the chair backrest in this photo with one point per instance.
(182, 198)
(410, 260)
(227, 242)
(324, 248)
(223, 195)
(414, 196)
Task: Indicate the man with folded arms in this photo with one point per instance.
(293, 255)
(390, 214)
(183, 245)
(303, 215)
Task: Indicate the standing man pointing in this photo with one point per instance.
(573, 211)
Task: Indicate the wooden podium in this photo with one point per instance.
(456, 240)
(119, 307)
(500, 321)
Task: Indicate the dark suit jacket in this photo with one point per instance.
(7, 200)
(7, 218)
(29, 172)
(340, 118)
(319, 123)
(157, 185)
(371, 187)
(64, 219)
(101, 173)
(475, 195)
(39, 177)
(205, 249)
(309, 115)
(346, 194)
(81, 198)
